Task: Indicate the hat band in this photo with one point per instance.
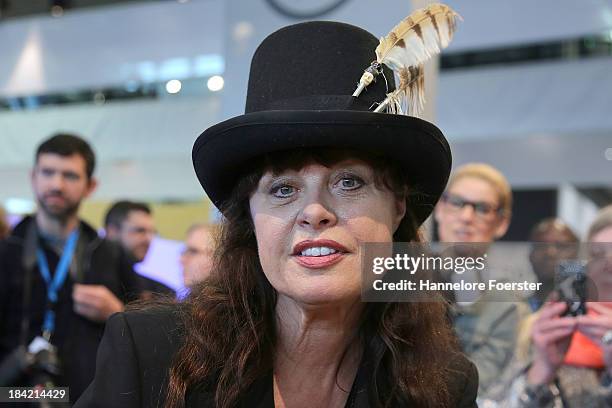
(320, 102)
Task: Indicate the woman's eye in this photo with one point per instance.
(283, 191)
(350, 183)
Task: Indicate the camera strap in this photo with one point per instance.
(55, 283)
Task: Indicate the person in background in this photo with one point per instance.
(131, 225)
(196, 258)
(552, 241)
(59, 281)
(4, 225)
(565, 361)
(476, 208)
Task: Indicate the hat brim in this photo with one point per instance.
(221, 153)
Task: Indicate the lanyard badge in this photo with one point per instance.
(55, 284)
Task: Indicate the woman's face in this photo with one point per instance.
(309, 225)
(469, 212)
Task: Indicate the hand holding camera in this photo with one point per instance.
(551, 335)
(560, 318)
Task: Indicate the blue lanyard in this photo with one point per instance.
(53, 286)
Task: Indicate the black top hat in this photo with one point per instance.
(300, 96)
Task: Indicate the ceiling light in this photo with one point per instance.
(215, 83)
(173, 86)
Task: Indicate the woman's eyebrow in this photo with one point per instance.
(361, 168)
(269, 178)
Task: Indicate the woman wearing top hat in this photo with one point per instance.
(303, 178)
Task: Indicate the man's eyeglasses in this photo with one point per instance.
(481, 208)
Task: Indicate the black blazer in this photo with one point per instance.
(137, 350)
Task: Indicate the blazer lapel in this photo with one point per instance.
(358, 397)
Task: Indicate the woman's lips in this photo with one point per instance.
(464, 234)
(314, 259)
(329, 243)
(316, 262)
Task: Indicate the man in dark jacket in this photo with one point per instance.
(59, 282)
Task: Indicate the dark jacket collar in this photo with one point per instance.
(26, 231)
(25, 226)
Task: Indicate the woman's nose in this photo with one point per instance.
(317, 214)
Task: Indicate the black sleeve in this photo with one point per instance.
(117, 380)
(128, 278)
(151, 288)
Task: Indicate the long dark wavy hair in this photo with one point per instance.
(230, 321)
